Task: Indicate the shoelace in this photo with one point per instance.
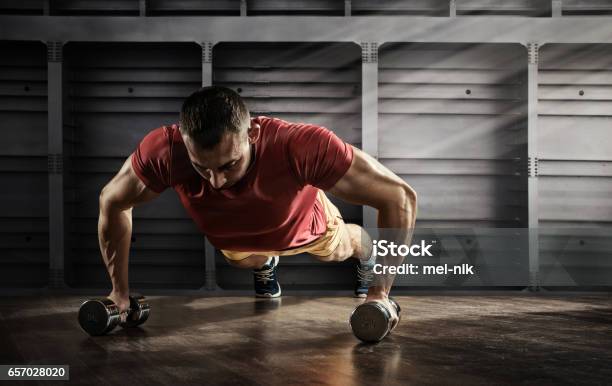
(364, 275)
(265, 275)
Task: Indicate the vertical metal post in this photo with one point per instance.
(142, 7)
(55, 164)
(347, 7)
(369, 113)
(207, 76)
(557, 8)
(210, 278)
(532, 153)
(452, 8)
(243, 7)
(46, 7)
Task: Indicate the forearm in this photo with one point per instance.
(396, 223)
(114, 236)
(399, 215)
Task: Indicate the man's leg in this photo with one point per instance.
(250, 262)
(354, 242)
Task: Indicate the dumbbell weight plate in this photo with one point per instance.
(98, 316)
(370, 321)
(139, 312)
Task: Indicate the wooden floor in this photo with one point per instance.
(307, 341)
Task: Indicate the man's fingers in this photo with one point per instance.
(123, 314)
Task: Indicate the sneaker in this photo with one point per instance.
(365, 275)
(266, 283)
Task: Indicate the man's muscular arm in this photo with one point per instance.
(117, 199)
(368, 182)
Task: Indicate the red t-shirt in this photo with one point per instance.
(274, 206)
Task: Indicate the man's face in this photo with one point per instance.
(226, 163)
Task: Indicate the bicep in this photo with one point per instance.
(125, 190)
(368, 182)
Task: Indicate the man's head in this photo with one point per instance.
(217, 130)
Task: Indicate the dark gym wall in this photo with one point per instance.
(575, 154)
(453, 123)
(24, 204)
(116, 94)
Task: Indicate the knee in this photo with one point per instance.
(236, 263)
(250, 262)
(341, 253)
(360, 240)
(244, 263)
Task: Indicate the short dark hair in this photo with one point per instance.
(210, 112)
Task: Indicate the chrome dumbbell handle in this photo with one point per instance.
(138, 312)
(100, 316)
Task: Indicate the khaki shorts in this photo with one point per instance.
(323, 246)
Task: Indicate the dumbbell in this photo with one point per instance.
(101, 316)
(371, 321)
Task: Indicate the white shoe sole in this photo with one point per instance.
(276, 295)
